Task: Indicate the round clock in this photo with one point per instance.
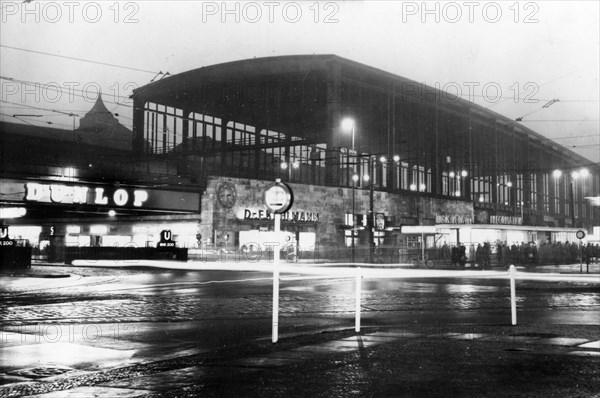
(226, 194)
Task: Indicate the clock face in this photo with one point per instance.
(226, 194)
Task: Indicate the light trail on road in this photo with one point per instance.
(334, 270)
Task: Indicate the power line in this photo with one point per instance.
(64, 91)
(78, 59)
(40, 109)
(560, 120)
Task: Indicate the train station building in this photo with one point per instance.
(364, 151)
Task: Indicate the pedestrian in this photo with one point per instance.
(556, 253)
(479, 255)
(487, 255)
(574, 251)
(499, 254)
(462, 255)
(589, 253)
(454, 256)
(514, 254)
(445, 252)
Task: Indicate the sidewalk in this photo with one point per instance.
(409, 360)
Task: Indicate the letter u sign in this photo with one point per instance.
(165, 235)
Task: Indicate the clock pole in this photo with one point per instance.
(278, 198)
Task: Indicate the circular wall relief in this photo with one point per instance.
(226, 194)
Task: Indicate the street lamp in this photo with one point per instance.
(289, 166)
(348, 124)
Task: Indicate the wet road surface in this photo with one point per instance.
(99, 319)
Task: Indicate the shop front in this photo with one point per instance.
(59, 215)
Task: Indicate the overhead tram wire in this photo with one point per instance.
(560, 120)
(79, 59)
(63, 112)
(41, 109)
(64, 90)
(60, 113)
(546, 83)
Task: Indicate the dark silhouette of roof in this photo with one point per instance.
(100, 127)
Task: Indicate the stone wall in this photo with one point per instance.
(317, 209)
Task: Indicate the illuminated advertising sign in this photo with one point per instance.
(97, 195)
(68, 194)
(506, 220)
(292, 216)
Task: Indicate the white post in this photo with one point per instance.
(357, 301)
(512, 271)
(275, 324)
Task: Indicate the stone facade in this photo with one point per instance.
(318, 209)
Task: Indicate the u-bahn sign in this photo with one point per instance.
(580, 234)
(278, 198)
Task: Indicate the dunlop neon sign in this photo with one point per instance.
(68, 194)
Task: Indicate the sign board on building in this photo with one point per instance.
(418, 229)
(73, 194)
(453, 219)
(56, 193)
(506, 220)
(291, 216)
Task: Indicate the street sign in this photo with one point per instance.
(278, 198)
(580, 234)
(166, 235)
(166, 239)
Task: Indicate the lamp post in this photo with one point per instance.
(574, 177)
(348, 124)
(370, 219)
(354, 180)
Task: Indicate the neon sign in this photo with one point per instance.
(70, 194)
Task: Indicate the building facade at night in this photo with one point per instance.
(335, 129)
(357, 145)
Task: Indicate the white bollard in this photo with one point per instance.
(512, 271)
(357, 299)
